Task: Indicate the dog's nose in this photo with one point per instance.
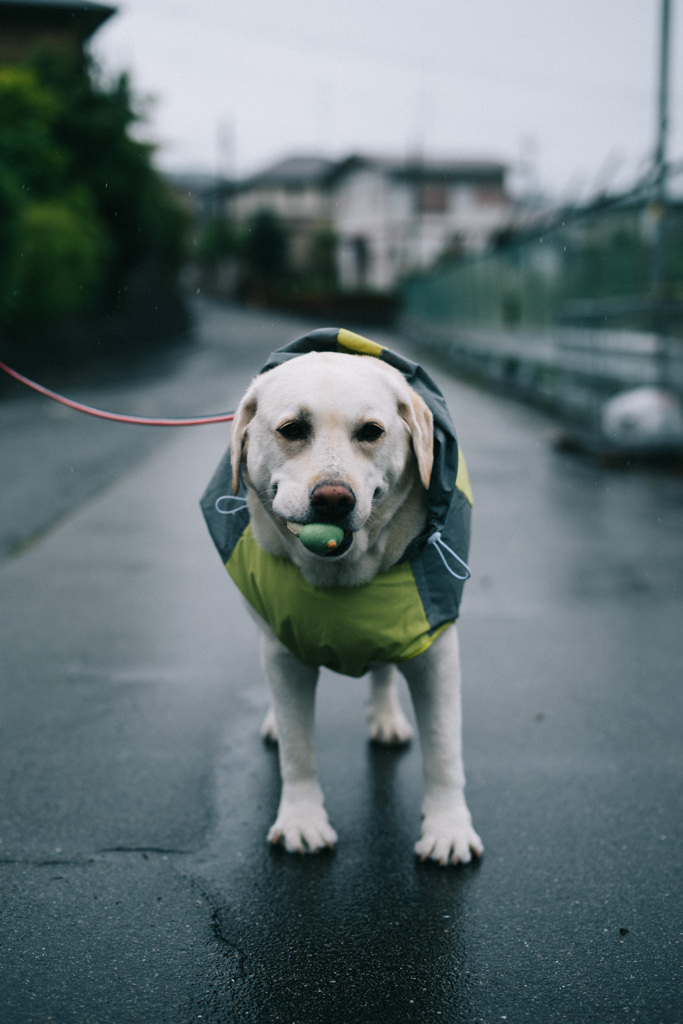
(332, 501)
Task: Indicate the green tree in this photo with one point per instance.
(81, 205)
(59, 270)
(217, 241)
(323, 263)
(264, 249)
(11, 202)
(28, 117)
(143, 218)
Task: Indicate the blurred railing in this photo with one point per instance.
(565, 312)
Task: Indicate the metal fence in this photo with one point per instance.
(567, 312)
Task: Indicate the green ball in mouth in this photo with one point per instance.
(321, 538)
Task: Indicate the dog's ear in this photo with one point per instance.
(418, 416)
(243, 417)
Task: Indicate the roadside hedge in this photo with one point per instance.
(82, 209)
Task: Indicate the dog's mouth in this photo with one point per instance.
(322, 539)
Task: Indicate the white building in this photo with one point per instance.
(390, 217)
(296, 190)
(393, 217)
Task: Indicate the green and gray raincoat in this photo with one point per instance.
(399, 613)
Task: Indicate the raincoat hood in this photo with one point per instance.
(399, 613)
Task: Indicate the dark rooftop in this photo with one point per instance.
(295, 170)
(443, 169)
(315, 170)
(82, 16)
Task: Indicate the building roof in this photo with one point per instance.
(83, 17)
(299, 171)
(294, 171)
(426, 169)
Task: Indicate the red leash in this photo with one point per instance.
(144, 421)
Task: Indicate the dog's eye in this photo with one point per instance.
(295, 430)
(370, 432)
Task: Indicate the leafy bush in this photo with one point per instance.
(59, 271)
(264, 248)
(11, 202)
(81, 206)
(217, 241)
(28, 116)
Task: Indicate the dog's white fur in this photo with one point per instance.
(333, 396)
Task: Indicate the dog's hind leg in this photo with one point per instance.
(387, 723)
(302, 825)
(269, 727)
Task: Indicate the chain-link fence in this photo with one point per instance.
(567, 312)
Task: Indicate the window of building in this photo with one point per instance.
(491, 195)
(432, 198)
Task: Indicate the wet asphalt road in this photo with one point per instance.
(135, 881)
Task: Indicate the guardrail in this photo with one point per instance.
(570, 369)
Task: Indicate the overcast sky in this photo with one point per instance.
(565, 87)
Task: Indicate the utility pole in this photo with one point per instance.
(225, 144)
(660, 162)
(659, 201)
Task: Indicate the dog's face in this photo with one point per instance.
(332, 438)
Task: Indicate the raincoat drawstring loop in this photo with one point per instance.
(229, 511)
(438, 543)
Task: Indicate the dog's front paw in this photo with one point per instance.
(302, 826)
(448, 838)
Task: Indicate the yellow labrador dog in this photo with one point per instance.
(343, 440)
